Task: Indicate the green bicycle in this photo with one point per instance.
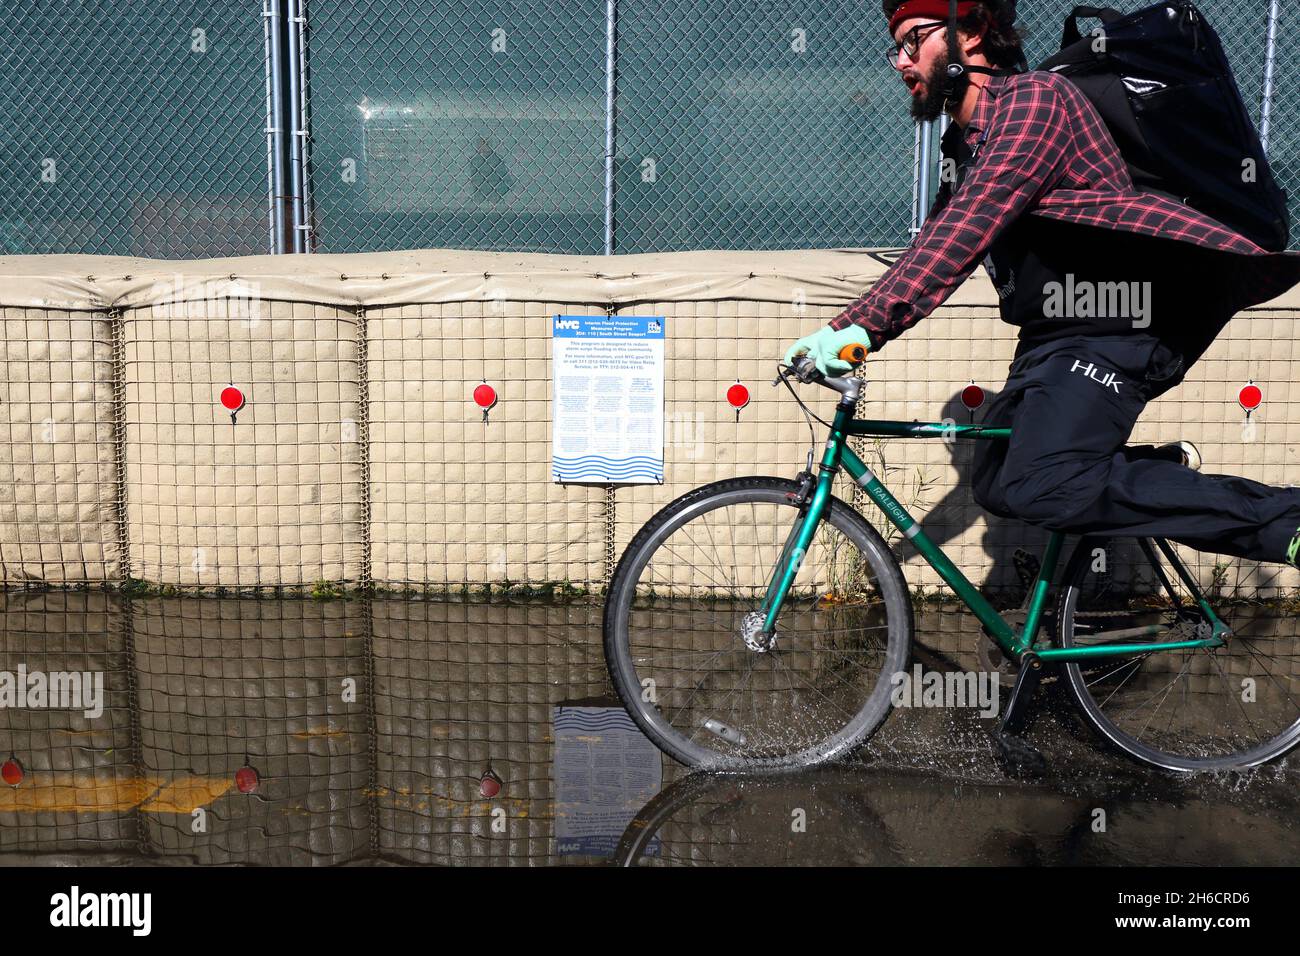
(757, 623)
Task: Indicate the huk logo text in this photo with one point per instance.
(1093, 372)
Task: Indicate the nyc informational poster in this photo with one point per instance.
(607, 422)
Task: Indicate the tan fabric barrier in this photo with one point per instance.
(59, 478)
(119, 459)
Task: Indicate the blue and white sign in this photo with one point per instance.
(605, 771)
(607, 422)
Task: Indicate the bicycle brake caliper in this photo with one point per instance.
(800, 498)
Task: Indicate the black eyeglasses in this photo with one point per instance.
(912, 41)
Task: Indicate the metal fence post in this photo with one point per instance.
(923, 180)
(301, 240)
(610, 47)
(1270, 56)
(923, 164)
(916, 180)
(268, 35)
(275, 186)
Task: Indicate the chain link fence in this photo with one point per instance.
(486, 125)
(133, 128)
(565, 126)
(467, 125)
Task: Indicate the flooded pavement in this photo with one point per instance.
(460, 732)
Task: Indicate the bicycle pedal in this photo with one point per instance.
(1018, 755)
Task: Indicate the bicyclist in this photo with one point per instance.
(1044, 196)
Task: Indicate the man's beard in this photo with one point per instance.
(929, 106)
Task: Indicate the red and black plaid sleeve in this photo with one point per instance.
(1023, 157)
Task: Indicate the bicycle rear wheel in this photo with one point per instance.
(688, 587)
(1225, 708)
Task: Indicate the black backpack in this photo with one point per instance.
(1164, 89)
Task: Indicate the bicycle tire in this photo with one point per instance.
(891, 589)
(836, 788)
(1085, 681)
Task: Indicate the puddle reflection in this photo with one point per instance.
(252, 731)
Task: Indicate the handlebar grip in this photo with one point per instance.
(854, 354)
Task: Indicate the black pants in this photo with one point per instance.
(1072, 404)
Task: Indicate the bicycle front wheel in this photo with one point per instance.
(1224, 708)
(687, 592)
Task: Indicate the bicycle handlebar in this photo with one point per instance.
(806, 371)
(855, 353)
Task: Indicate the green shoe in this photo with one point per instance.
(1292, 548)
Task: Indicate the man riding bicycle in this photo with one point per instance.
(1044, 198)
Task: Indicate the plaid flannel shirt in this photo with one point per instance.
(1045, 152)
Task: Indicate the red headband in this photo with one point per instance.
(927, 8)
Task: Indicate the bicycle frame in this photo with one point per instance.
(838, 453)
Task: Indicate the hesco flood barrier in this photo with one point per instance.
(309, 422)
